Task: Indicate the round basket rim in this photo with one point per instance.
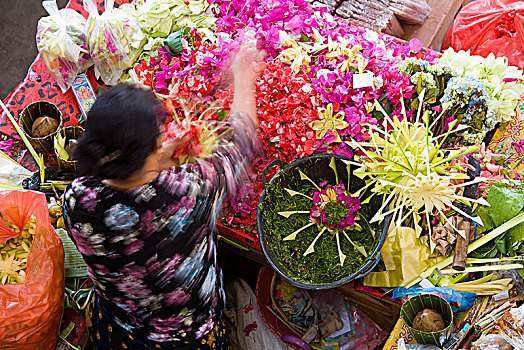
(28, 133)
(366, 267)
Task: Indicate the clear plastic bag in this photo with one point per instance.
(61, 39)
(491, 342)
(489, 26)
(11, 173)
(410, 11)
(114, 40)
(359, 331)
(458, 301)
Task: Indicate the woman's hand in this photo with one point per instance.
(247, 65)
(169, 147)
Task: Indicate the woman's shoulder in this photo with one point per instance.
(175, 179)
(79, 185)
(85, 190)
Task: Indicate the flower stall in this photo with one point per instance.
(390, 173)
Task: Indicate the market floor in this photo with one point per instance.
(18, 20)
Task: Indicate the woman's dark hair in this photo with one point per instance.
(121, 131)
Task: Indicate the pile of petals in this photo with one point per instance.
(286, 105)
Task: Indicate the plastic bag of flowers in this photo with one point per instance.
(114, 40)
(61, 39)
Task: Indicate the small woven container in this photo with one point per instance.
(31, 113)
(414, 305)
(70, 132)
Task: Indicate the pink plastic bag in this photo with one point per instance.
(486, 26)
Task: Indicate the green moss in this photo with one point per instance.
(322, 266)
(335, 212)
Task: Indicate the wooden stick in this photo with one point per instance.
(461, 247)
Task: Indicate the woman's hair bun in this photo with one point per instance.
(121, 131)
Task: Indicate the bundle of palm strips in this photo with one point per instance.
(372, 14)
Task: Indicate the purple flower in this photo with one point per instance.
(415, 45)
(240, 202)
(6, 145)
(318, 209)
(344, 150)
(519, 147)
(447, 121)
(295, 25)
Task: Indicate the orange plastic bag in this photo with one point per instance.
(486, 26)
(30, 311)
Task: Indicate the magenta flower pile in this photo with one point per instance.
(333, 208)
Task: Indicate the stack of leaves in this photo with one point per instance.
(506, 201)
(407, 164)
(487, 285)
(14, 252)
(159, 18)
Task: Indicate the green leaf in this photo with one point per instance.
(503, 244)
(295, 193)
(473, 246)
(59, 143)
(333, 166)
(305, 177)
(386, 105)
(483, 212)
(516, 235)
(293, 235)
(505, 202)
(287, 214)
(359, 248)
(223, 115)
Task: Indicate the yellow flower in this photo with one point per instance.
(329, 122)
(296, 55)
(354, 58)
(329, 196)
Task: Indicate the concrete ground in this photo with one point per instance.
(18, 20)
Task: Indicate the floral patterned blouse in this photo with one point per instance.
(151, 251)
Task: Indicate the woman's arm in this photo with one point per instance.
(247, 65)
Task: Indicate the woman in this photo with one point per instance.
(144, 225)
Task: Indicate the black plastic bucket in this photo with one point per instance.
(316, 167)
